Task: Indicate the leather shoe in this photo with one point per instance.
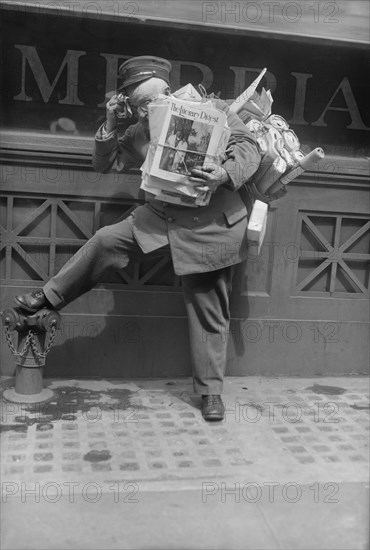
(212, 407)
(32, 302)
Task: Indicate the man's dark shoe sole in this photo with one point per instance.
(25, 307)
(32, 302)
(213, 417)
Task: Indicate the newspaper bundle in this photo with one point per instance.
(184, 134)
(282, 159)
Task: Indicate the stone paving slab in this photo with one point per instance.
(113, 464)
(301, 430)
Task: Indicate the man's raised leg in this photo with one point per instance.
(110, 248)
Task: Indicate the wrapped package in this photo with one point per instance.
(257, 223)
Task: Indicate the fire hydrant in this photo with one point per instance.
(36, 334)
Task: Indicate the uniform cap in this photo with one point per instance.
(138, 69)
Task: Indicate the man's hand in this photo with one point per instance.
(115, 108)
(210, 176)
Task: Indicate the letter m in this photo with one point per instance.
(30, 55)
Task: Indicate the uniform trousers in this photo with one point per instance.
(206, 298)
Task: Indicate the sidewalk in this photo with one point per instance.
(112, 464)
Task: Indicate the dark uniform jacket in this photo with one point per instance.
(200, 239)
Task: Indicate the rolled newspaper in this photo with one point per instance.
(272, 174)
(274, 142)
(291, 141)
(306, 163)
(288, 157)
(262, 144)
(255, 126)
(297, 155)
(278, 122)
(258, 129)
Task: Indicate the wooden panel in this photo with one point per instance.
(288, 318)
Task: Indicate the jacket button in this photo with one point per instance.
(195, 219)
(169, 219)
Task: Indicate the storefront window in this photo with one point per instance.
(59, 71)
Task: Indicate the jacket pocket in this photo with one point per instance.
(235, 214)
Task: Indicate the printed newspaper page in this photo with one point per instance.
(189, 137)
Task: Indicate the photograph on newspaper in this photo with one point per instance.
(190, 137)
